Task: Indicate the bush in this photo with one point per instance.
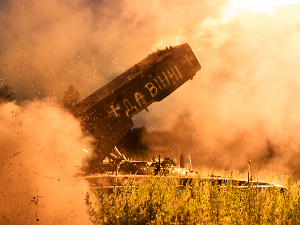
(163, 199)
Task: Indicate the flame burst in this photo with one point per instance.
(238, 7)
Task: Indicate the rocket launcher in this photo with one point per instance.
(107, 113)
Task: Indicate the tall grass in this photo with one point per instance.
(163, 200)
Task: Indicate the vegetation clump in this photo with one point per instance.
(164, 199)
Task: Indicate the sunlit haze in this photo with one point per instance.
(238, 7)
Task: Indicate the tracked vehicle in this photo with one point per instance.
(107, 115)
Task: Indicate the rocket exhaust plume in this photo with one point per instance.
(40, 154)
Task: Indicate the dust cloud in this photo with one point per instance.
(242, 104)
(41, 152)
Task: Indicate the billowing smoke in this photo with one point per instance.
(47, 46)
(41, 153)
(242, 104)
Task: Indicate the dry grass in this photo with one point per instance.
(162, 200)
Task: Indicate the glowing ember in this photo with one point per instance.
(238, 7)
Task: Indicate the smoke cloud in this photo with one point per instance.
(242, 104)
(47, 46)
(41, 152)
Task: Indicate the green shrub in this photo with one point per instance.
(163, 199)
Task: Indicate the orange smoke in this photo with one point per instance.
(242, 104)
(41, 152)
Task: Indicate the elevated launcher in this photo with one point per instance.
(108, 111)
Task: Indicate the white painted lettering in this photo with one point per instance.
(113, 110)
(178, 71)
(188, 59)
(157, 83)
(129, 107)
(151, 88)
(172, 74)
(163, 81)
(139, 98)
